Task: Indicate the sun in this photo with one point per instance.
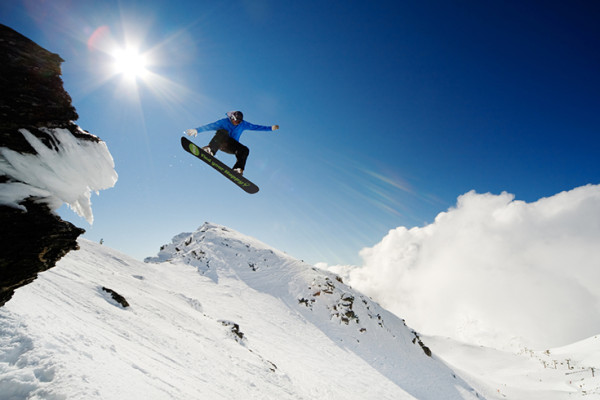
(126, 60)
(130, 63)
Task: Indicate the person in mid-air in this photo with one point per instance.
(228, 135)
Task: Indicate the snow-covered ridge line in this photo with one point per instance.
(350, 319)
(218, 251)
(68, 172)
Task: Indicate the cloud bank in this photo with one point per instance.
(494, 271)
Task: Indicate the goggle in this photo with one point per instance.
(236, 116)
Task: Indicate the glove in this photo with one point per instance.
(274, 127)
(191, 132)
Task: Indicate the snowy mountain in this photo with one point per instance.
(219, 315)
(215, 315)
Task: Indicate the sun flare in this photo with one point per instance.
(126, 60)
(130, 63)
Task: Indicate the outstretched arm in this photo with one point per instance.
(215, 126)
(254, 127)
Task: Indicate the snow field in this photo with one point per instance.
(63, 337)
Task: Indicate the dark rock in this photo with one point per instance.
(31, 97)
(32, 242)
(116, 297)
(32, 94)
(418, 340)
(235, 329)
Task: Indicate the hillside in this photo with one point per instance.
(215, 315)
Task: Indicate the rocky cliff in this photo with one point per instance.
(33, 107)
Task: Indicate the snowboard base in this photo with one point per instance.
(245, 184)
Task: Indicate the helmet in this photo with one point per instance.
(235, 115)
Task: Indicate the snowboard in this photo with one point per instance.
(214, 162)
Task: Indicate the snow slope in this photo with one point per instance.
(570, 372)
(215, 315)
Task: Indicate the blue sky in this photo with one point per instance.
(388, 111)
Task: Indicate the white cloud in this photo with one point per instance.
(495, 271)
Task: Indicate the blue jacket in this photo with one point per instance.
(235, 131)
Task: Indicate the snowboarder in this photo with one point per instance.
(228, 135)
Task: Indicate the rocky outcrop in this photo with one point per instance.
(32, 241)
(32, 94)
(116, 297)
(32, 97)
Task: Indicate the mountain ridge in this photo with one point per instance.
(321, 296)
(230, 323)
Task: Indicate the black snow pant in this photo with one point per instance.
(222, 141)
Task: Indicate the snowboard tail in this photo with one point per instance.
(217, 164)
